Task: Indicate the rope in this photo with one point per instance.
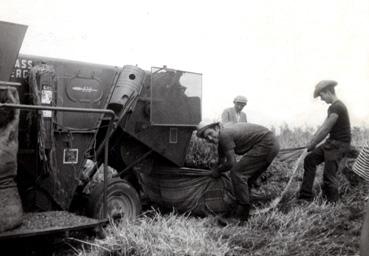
(277, 200)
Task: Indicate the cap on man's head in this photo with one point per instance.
(202, 126)
(323, 85)
(240, 99)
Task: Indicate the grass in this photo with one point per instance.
(290, 229)
(161, 235)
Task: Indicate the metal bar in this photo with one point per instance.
(80, 110)
(111, 131)
(66, 109)
(134, 163)
(124, 111)
(5, 83)
(106, 155)
(292, 149)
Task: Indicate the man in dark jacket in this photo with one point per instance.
(337, 126)
(258, 147)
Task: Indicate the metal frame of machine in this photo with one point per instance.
(64, 96)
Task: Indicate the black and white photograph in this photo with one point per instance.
(179, 127)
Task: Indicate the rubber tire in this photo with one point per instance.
(123, 200)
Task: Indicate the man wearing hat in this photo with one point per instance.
(337, 126)
(235, 114)
(258, 147)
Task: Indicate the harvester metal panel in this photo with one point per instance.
(175, 97)
(168, 141)
(11, 38)
(62, 183)
(78, 85)
(47, 223)
(82, 85)
(167, 112)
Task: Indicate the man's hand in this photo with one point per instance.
(322, 132)
(310, 146)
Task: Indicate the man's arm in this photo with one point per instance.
(243, 117)
(229, 159)
(225, 116)
(323, 131)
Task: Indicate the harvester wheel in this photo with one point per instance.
(122, 200)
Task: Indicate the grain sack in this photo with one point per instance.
(11, 211)
(10, 204)
(8, 139)
(189, 190)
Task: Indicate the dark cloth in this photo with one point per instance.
(189, 190)
(9, 145)
(6, 114)
(241, 137)
(331, 152)
(259, 155)
(341, 130)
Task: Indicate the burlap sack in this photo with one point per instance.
(8, 138)
(11, 211)
(10, 204)
(189, 190)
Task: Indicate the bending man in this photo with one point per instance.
(258, 147)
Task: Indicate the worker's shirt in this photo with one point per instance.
(240, 137)
(341, 130)
(230, 115)
(238, 117)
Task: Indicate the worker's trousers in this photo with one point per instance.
(252, 164)
(331, 152)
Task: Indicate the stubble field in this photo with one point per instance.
(288, 229)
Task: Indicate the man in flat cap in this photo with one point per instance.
(256, 144)
(235, 114)
(337, 126)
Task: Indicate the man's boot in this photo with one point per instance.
(243, 212)
(221, 221)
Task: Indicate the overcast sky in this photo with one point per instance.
(273, 52)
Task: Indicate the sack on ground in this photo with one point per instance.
(189, 190)
(8, 140)
(10, 204)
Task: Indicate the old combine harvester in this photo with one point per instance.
(74, 114)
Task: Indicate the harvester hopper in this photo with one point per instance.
(74, 113)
